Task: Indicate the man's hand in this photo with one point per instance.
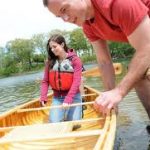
(108, 100)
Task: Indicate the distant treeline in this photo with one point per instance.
(25, 55)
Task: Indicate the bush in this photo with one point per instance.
(9, 70)
(88, 59)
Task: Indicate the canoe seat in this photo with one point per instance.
(40, 130)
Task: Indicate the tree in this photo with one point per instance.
(120, 50)
(40, 41)
(78, 42)
(22, 50)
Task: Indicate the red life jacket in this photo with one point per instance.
(61, 75)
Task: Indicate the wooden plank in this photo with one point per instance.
(22, 136)
(53, 107)
(6, 129)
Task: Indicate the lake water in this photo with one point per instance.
(131, 120)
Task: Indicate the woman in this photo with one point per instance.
(63, 74)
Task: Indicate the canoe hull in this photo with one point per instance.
(93, 132)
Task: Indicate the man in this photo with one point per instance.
(115, 20)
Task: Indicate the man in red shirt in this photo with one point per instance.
(115, 20)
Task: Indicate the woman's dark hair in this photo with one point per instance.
(58, 39)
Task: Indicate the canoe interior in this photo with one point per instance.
(83, 135)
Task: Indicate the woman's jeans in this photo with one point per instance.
(65, 114)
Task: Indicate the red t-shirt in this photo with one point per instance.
(115, 19)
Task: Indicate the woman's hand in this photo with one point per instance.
(65, 105)
(43, 103)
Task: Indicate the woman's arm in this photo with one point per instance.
(77, 65)
(45, 84)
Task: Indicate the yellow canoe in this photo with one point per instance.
(26, 127)
(95, 72)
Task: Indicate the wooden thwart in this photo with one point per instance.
(53, 107)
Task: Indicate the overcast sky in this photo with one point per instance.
(24, 18)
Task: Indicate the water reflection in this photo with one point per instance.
(131, 122)
(18, 90)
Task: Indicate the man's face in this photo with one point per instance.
(73, 11)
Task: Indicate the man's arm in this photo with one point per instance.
(140, 40)
(105, 63)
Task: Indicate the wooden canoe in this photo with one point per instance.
(95, 72)
(26, 127)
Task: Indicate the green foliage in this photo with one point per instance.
(22, 50)
(10, 66)
(77, 40)
(23, 55)
(40, 41)
(120, 50)
(89, 59)
(38, 58)
(10, 70)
